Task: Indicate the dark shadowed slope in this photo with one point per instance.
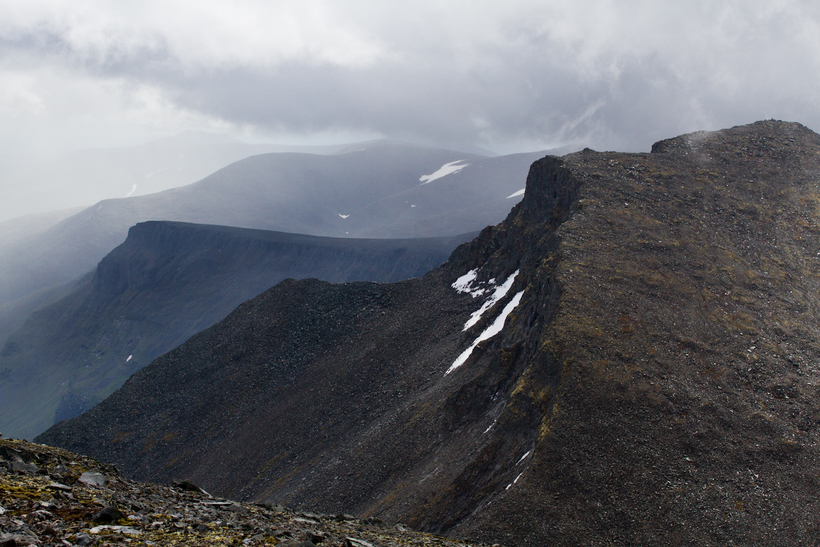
(165, 283)
(655, 383)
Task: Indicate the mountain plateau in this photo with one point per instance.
(165, 283)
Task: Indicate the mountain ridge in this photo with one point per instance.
(165, 283)
(653, 385)
(288, 192)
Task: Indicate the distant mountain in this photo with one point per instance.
(88, 176)
(21, 233)
(384, 189)
(628, 359)
(167, 282)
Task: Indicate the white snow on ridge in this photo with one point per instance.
(515, 195)
(343, 216)
(488, 333)
(497, 295)
(443, 171)
(463, 283)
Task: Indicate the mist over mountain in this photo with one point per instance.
(373, 190)
(627, 359)
(88, 176)
(165, 283)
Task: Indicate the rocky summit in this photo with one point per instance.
(629, 358)
(50, 496)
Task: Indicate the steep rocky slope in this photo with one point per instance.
(654, 381)
(167, 282)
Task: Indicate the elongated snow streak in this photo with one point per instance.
(522, 457)
(149, 175)
(497, 295)
(488, 333)
(129, 358)
(343, 216)
(443, 171)
(515, 195)
(133, 189)
(515, 481)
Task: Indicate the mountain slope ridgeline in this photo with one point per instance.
(629, 358)
(165, 283)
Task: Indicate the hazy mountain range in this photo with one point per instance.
(89, 176)
(372, 190)
(627, 359)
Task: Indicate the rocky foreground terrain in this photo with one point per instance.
(49, 496)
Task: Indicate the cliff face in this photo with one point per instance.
(167, 282)
(653, 382)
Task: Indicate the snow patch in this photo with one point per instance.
(497, 295)
(488, 333)
(515, 481)
(515, 195)
(133, 189)
(463, 283)
(129, 358)
(149, 175)
(443, 171)
(523, 457)
(343, 216)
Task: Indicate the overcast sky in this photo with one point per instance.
(508, 76)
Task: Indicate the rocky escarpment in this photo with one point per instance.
(653, 382)
(164, 284)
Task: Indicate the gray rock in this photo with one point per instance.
(91, 478)
(22, 467)
(109, 514)
(84, 540)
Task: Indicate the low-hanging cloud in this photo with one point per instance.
(505, 76)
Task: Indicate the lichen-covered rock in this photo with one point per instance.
(33, 512)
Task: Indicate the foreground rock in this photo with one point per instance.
(49, 496)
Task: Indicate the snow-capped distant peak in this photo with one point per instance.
(343, 216)
(443, 171)
(515, 195)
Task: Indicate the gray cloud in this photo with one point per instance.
(515, 76)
